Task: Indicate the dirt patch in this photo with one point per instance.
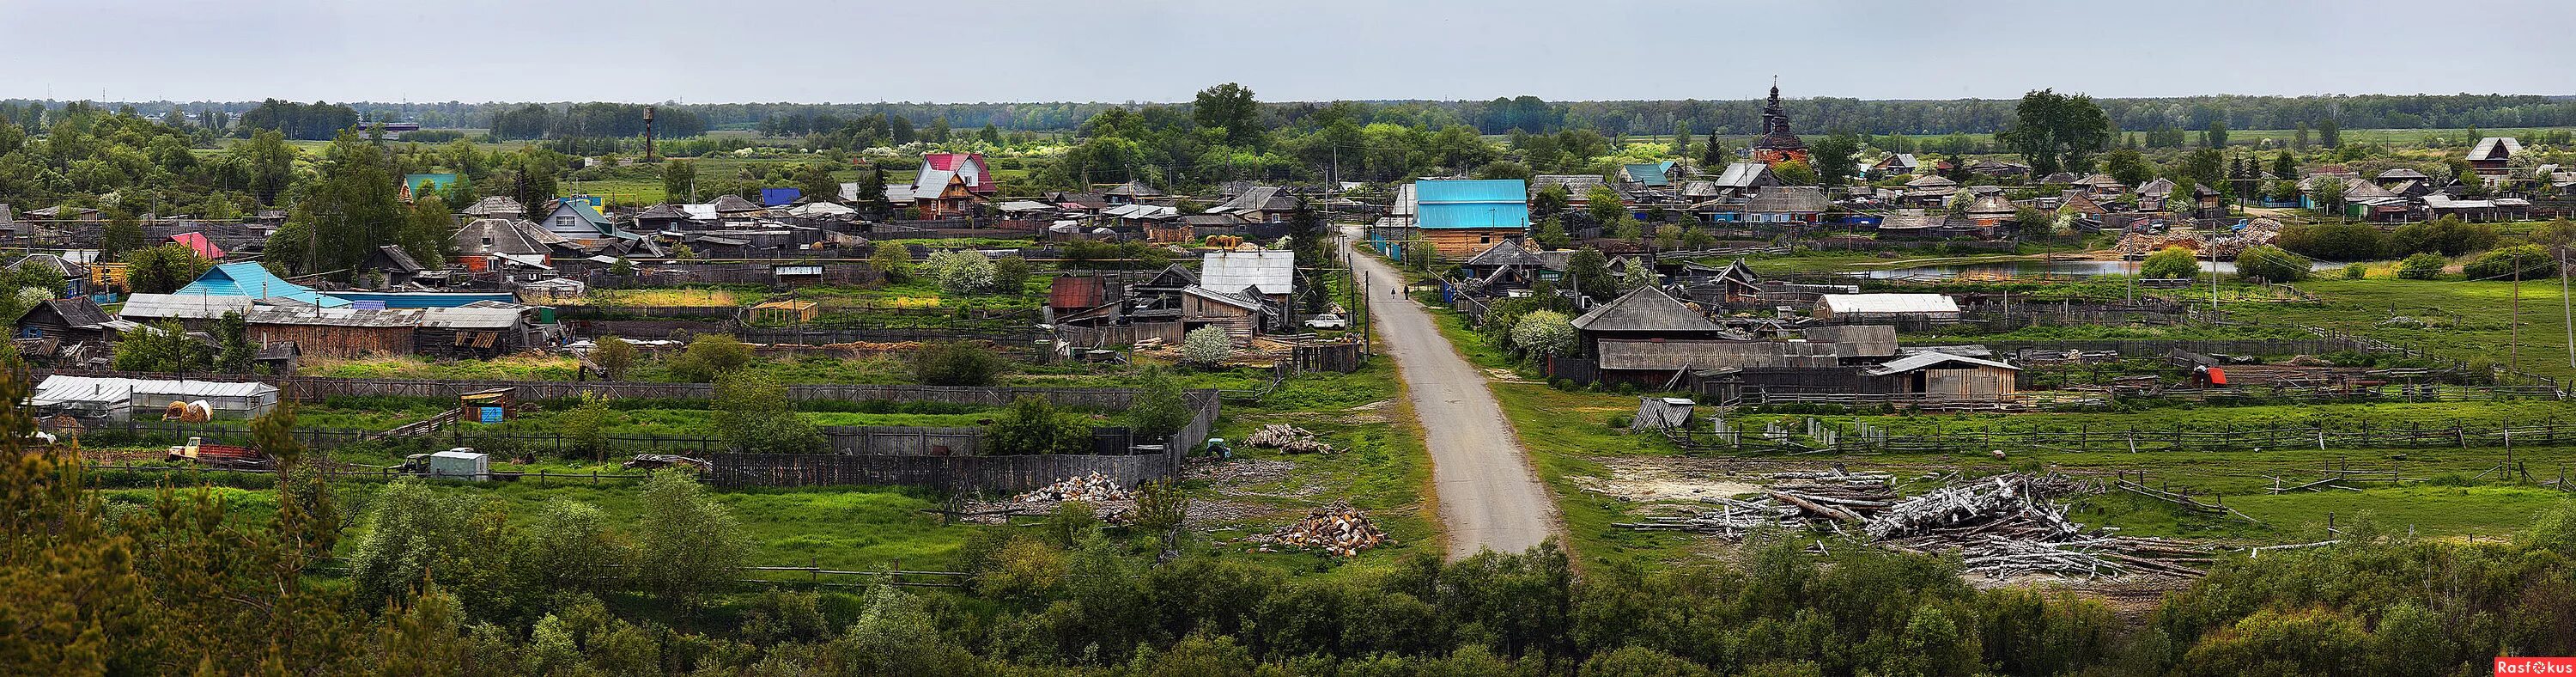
(1659, 479)
(1499, 375)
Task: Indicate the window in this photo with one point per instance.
(563, 220)
(487, 241)
(1487, 238)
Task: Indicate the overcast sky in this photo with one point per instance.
(1163, 50)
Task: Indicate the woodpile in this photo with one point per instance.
(1290, 438)
(1094, 488)
(1337, 529)
(2002, 526)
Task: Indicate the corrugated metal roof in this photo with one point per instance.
(61, 389)
(478, 317)
(253, 281)
(1488, 203)
(336, 317)
(796, 270)
(1275, 272)
(1921, 360)
(1889, 303)
(179, 306)
(423, 299)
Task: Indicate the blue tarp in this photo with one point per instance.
(773, 197)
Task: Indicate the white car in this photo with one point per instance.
(1327, 321)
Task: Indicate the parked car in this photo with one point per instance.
(1327, 321)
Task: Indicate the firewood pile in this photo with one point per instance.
(1290, 438)
(1094, 488)
(2002, 526)
(1337, 529)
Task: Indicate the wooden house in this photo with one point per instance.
(1259, 204)
(482, 329)
(1801, 205)
(1944, 375)
(72, 320)
(1241, 315)
(75, 276)
(1896, 164)
(1578, 187)
(1463, 217)
(1649, 313)
(2490, 156)
(394, 265)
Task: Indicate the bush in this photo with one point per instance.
(2448, 236)
(711, 356)
(754, 415)
(955, 363)
(1160, 408)
(2421, 267)
(2335, 242)
(2355, 271)
(2271, 264)
(1544, 332)
(614, 356)
(2170, 263)
(962, 272)
(1034, 425)
(1207, 346)
(2530, 260)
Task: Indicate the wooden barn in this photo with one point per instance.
(336, 332)
(1240, 314)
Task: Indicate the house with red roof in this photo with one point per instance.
(205, 248)
(968, 166)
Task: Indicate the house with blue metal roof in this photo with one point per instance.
(251, 280)
(1463, 217)
(1650, 174)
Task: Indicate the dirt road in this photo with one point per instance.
(1489, 497)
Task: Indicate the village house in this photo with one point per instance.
(1578, 187)
(343, 332)
(492, 244)
(72, 320)
(1895, 164)
(494, 208)
(196, 312)
(1270, 274)
(1801, 205)
(1462, 217)
(1650, 174)
(2490, 156)
(254, 282)
(1242, 316)
(1260, 204)
(75, 276)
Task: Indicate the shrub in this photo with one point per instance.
(1207, 346)
(2355, 271)
(2335, 242)
(2170, 263)
(1034, 425)
(2421, 266)
(2270, 263)
(1544, 332)
(962, 272)
(1159, 409)
(2448, 236)
(2530, 260)
(614, 356)
(710, 356)
(955, 363)
(754, 415)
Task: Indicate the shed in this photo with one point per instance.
(1945, 375)
(479, 329)
(461, 463)
(337, 332)
(785, 312)
(1658, 413)
(1273, 272)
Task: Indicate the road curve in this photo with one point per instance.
(1489, 497)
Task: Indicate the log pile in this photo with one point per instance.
(1289, 438)
(2002, 526)
(1094, 488)
(1337, 529)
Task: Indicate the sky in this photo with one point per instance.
(1300, 50)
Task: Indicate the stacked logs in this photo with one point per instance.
(1290, 438)
(1094, 488)
(1337, 529)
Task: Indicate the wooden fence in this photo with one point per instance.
(316, 388)
(947, 473)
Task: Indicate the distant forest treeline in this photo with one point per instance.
(1811, 115)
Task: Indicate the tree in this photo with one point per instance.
(1229, 107)
(2128, 167)
(815, 181)
(1503, 169)
(872, 194)
(1590, 271)
(2448, 236)
(1636, 274)
(1160, 408)
(586, 426)
(688, 545)
(121, 234)
(679, 181)
(426, 234)
(2169, 263)
(710, 356)
(1011, 274)
(1712, 155)
(955, 363)
(237, 352)
(163, 269)
(1794, 173)
(2528, 262)
(614, 356)
(418, 534)
(1551, 201)
(162, 347)
(1035, 425)
(569, 546)
(1605, 205)
(2205, 167)
(1543, 333)
(2216, 134)
(2271, 264)
(2422, 266)
(2330, 133)
(2326, 192)
(2056, 132)
(1207, 346)
(1551, 234)
(892, 261)
(1833, 159)
(962, 271)
(2284, 166)
(754, 415)
(271, 163)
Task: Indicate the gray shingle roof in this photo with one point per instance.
(1646, 309)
